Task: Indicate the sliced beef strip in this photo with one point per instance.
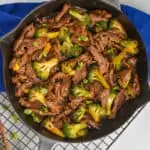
(104, 95)
(80, 75)
(136, 84)
(78, 30)
(28, 104)
(106, 39)
(95, 89)
(111, 76)
(62, 12)
(20, 90)
(90, 122)
(85, 58)
(101, 60)
(27, 32)
(125, 76)
(31, 46)
(75, 102)
(54, 107)
(59, 76)
(30, 72)
(120, 98)
(99, 15)
(64, 21)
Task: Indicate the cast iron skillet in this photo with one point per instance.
(107, 126)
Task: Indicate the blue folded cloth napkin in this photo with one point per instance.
(11, 15)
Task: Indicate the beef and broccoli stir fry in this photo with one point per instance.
(74, 69)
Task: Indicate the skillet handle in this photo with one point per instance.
(45, 146)
(115, 3)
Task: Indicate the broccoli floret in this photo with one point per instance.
(42, 69)
(41, 32)
(111, 99)
(50, 127)
(38, 93)
(73, 131)
(35, 117)
(130, 46)
(16, 66)
(68, 67)
(117, 60)
(64, 33)
(80, 91)
(96, 111)
(45, 51)
(79, 66)
(95, 75)
(84, 18)
(111, 52)
(83, 38)
(115, 24)
(78, 114)
(52, 35)
(70, 50)
(100, 26)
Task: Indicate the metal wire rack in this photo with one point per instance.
(25, 139)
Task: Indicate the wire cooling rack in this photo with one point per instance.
(21, 138)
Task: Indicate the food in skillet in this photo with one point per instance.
(72, 70)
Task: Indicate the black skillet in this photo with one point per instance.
(107, 126)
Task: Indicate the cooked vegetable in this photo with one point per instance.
(16, 66)
(45, 51)
(101, 26)
(115, 24)
(78, 114)
(83, 38)
(84, 18)
(111, 52)
(73, 131)
(95, 75)
(50, 127)
(79, 66)
(52, 35)
(111, 99)
(80, 91)
(38, 93)
(64, 33)
(130, 46)
(70, 50)
(68, 67)
(117, 60)
(33, 115)
(96, 111)
(41, 32)
(43, 69)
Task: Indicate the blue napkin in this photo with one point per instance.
(11, 14)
